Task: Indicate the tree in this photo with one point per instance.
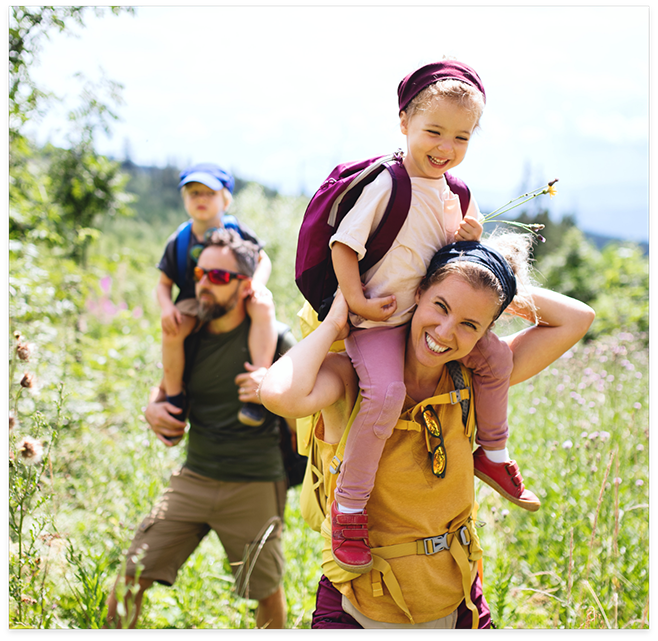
(56, 195)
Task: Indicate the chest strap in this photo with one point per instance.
(454, 542)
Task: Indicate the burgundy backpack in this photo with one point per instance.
(314, 272)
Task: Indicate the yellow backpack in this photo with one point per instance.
(315, 492)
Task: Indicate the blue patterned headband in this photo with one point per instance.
(474, 252)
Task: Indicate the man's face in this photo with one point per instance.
(216, 301)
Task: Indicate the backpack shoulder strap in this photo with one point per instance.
(455, 370)
(396, 212)
(459, 188)
(183, 234)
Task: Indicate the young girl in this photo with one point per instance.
(440, 107)
(207, 193)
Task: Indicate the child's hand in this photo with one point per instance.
(470, 228)
(260, 303)
(376, 309)
(171, 320)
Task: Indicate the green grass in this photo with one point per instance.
(579, 432)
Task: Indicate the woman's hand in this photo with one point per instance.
(561, 322)
(338, 316)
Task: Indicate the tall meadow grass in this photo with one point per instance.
(579, 431)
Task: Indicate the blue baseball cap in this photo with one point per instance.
(207, 174)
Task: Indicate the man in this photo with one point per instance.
(233, 480)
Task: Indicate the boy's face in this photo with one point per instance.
(437, 138)
(202, 203)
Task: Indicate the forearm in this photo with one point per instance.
(263, 269)
(299, 383)
(561, 322)
(163, 294)
(346, 267)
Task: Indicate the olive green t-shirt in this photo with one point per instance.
(219, 446)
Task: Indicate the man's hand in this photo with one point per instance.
(163, 424)
(249, 382)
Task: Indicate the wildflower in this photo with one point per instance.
(567, 445)
(12, 421)
(27, 380)
(583, 435)
(17, 336)
(552, 191)
(640, 448)
(604, 436)
(637, 406)
(616, 480)
(593, 435)
(639, 483)
(534, 228)
(31, 450)
(504, 513)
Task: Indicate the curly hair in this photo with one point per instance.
(244, 251)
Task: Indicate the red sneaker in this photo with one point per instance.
(506, 479)
(349, 541)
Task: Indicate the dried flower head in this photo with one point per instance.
(31, 450)
(24, 350)
(28, 380)
(12, 421)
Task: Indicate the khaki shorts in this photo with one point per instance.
(240, 513)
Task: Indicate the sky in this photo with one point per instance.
(281, 94)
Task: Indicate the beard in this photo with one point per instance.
(211, 310)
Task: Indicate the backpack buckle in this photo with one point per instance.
(455, 397)
(464, 536)
(334, 466)
(434, 544)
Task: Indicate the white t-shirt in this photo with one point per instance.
(433, 219)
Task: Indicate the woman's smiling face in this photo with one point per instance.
(450, 318)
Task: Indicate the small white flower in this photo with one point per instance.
(567, 445)
(639, 482)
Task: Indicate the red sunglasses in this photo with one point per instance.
(217, 276)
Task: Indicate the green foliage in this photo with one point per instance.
(276, 221)
(28, 28)
(58, 195)
(614, 281)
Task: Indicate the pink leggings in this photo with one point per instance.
(377, 355)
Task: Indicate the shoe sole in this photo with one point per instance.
(356, 569)
(250, 422)
(531, 507)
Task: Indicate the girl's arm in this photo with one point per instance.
(307, 379)
(561, 323)
(346, 266)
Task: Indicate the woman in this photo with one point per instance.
(421, 512)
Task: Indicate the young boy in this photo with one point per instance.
(207, 192)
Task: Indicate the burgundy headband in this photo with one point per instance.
(415, 82)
